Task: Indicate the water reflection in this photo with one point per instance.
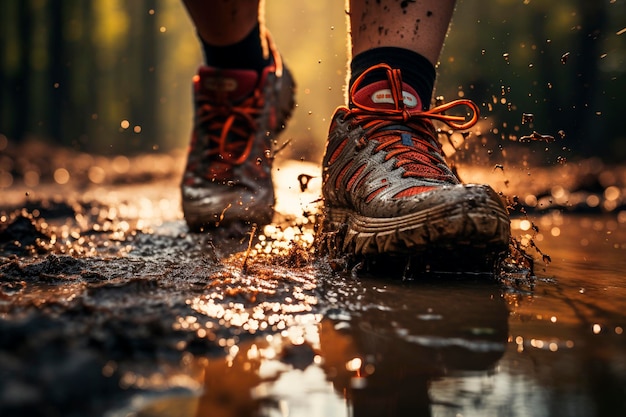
(382, 349)
(387, 344)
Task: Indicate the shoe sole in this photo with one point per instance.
(471, 216)
(200, 215)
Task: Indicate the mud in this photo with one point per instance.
(108, 306)
(71, 304)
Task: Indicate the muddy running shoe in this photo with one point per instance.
(227, 178)
(386, 186)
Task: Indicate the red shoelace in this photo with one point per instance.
(229, 120)
(383, 124)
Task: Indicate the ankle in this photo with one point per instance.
(245, 54)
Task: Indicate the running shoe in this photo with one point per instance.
(387, 188)
(238, 114)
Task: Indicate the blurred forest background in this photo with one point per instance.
(114, 76)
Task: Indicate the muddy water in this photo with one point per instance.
(461, 345)
(109, 307)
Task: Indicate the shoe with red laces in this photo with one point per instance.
(386, 184)
(227, 178)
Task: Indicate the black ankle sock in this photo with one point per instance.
(416, 70)
(245, 54)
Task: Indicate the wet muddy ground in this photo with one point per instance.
(109, 307)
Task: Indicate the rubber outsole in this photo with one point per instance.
(475, 218)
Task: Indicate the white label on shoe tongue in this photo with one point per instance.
(385, 96)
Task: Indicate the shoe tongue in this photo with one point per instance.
(231, 85)
(378, 95)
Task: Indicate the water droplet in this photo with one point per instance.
(527, 118)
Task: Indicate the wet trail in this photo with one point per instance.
(109, 307)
